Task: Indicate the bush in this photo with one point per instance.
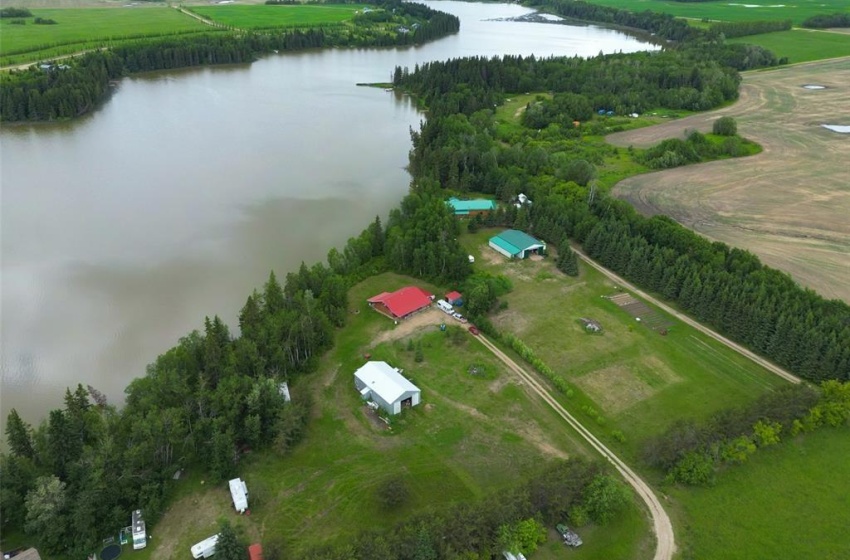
(605, 497)
(725, 126)
(392, 492)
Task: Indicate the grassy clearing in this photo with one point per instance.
(260, 17)
(639, 380)
(731, 11)
(789, 501)
(470, 436)
(801, 45)
(82, 28)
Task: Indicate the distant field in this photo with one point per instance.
(81, 28)
(788, 204)
(801, 45)
(746, 10)
(470, 436)
(638, 379)
(258, 17)
(790, 501)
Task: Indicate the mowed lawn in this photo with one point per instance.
(746, 10)
(790, 501)
(470, 436)
(801, 45)
(92, 25)
(259, 17)
(639, 380)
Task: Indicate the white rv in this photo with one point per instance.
(445, 306)
(239, 493)
(205, 548)
(140, 536)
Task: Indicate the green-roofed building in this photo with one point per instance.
(471, 207)
(515, 244)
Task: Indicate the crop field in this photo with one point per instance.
(746, 10)
(472, 434)
(639, 380)
(788, 205)
(801, 45)
(790, 501)
(259, 17)
(79, 28)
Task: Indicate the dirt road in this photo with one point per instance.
(661, 525)
(771, 367)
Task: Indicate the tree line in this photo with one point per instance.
(825, 21)
(83, 82)
(731, 29)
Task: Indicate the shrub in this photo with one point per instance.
(725, 126)
(392, 492)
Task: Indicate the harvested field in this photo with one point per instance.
(789, 204)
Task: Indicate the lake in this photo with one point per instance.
(123, 229)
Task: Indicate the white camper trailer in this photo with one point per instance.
(239, 493)
(205, 548)
(445, 306)
(140, 536)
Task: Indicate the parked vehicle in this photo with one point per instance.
(473, 329)
(569, 536)
(205, 548)
(140, 536)
(445, 306)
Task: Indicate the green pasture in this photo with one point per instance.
(80, 28)
(263, 16)
(789, 501)
(470, 436)
(639, 380)
(801, 45)
(734, 11)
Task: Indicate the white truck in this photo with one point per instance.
(205, 548)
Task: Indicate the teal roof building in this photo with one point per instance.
(471, 207)
(515, 244)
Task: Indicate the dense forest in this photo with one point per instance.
(68, 90)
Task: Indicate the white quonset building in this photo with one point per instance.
(383, 384)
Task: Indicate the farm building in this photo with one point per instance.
(516, 244)
(239, 494)
(454, 298)
(401, 303)
(383, 384)
(471, 207)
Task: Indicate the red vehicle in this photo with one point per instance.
(473, 329)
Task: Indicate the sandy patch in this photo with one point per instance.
(426, 319)
(616, 388)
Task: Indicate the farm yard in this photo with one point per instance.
(266, 17)
(788, 204)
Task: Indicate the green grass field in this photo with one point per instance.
(470, 436)
(80, 28)
(639, 380)
(260, 17)
(790, 501)
(733, 11)
(801, 45)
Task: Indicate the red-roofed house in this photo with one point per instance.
(454, 298)
(401, 303)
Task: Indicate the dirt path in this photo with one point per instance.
(771, 367)
(203, 20)
(662, 527)
(52, 59)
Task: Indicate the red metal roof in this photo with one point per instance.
(452, 296)
(404, 301)
(255, 551)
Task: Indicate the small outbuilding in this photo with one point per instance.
(239, 494)
(454, 298)
(255, 552)
(470, 208)
(401, 303)
(515, 244)
(384, 385)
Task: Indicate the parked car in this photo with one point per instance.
(473, 329)
(459, 317)
(569, 536)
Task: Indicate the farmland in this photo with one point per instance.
(787, 204)
(472, 435)
(79, 29)
(801, 45)
(795, 499)
(731, 11)
(265, 17)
